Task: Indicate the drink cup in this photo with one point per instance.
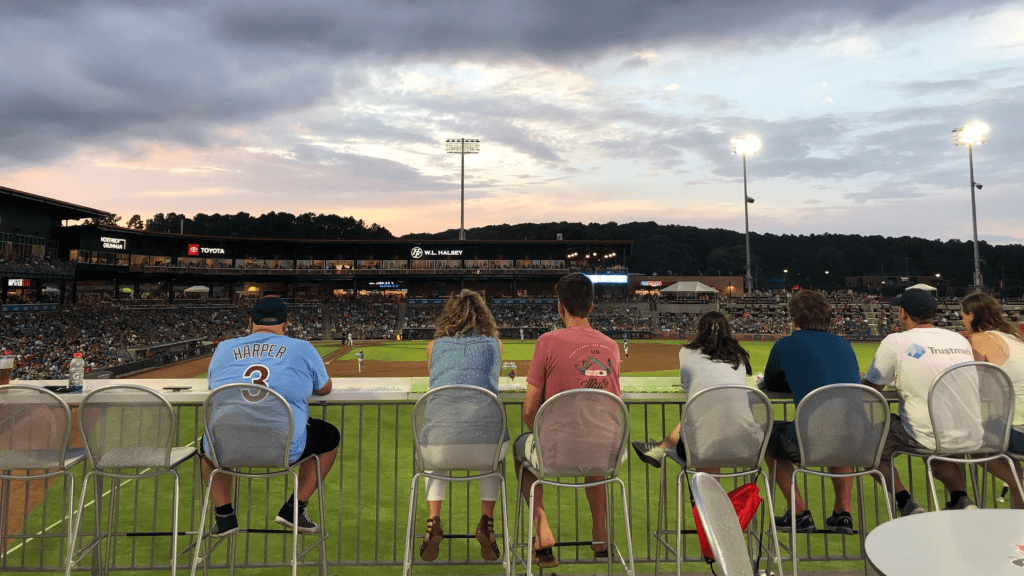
(6, 368)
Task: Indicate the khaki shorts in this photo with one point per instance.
(899, 439)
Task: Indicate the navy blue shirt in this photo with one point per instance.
(810, 359)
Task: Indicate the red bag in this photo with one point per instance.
(746, 499)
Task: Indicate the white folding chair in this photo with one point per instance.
(840, 425)
(971, 410)
(721, 527)
(458, 428)
(577, 433)
(35, 425)
(124, 427)
(249, 426)
(721, 427)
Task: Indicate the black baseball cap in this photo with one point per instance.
(915, 301)
(269, 310)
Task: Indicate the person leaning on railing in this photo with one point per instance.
(465, 351)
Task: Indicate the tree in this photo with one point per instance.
(135, 223)
(110, 220)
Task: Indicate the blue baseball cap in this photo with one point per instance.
(268, 311)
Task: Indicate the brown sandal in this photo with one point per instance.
(544, 557)
(484, 531)
(431, 546)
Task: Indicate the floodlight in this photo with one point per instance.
(462, 146)
(748, 144)
(970, 135)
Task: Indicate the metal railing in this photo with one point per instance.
(367, 502)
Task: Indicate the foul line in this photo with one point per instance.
(87, 504)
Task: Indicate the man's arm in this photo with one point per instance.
(867, 382)
(325, 389)
(531, 404)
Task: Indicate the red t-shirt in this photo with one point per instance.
(572, 358)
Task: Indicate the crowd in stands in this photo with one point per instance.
(422, 315)
(365, 320)
(43, 342)
(105, 329)
(521, 315)
(620, 320)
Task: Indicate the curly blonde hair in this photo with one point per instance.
(466, 313)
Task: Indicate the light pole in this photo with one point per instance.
(971, 135)
(462, 146)
(744, 145)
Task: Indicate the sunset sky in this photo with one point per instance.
(587, 110)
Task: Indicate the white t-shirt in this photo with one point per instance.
(910, 361)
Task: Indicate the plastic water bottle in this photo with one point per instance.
(76, 373)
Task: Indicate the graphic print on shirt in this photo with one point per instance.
(589, 363)
(257, 374)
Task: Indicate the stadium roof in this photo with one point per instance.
(55, 208)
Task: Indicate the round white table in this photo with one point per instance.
(989, 542)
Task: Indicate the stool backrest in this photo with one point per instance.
(726, 427)
(247, 426)
(581, 433)
(127, 426)
(721, 526)
(32, 420)
(842, 425)
(971, 408)
(458, 416)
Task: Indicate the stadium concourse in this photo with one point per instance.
(124, 336)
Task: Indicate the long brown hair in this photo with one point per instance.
(466, 313)
(714, 340)
(987, 315)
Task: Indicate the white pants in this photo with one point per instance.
(489, 487)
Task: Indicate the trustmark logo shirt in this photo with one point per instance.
(910, 361)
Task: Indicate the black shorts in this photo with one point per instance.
(321, 438)
(782, 442)
(681, 449)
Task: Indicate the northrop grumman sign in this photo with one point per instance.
(111, 243)
(418, 252)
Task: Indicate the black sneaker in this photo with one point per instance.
(840, 522)
(284, 518)
(224, 525)
(804, 522)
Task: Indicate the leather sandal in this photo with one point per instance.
(484, 531)
(544, 557)
(431, 546)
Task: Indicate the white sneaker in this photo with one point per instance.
(650, 452)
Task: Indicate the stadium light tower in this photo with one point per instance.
(744, 145)
(462, 146)
(971, 135)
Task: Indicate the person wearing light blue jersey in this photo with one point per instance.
(294, 369)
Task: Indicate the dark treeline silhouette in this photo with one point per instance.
(269, 225)
(687, 250)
